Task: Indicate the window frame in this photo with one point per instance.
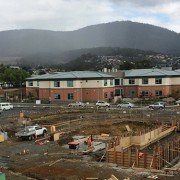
(105, 82)
(132, 81)
(58, 84)
(145, 81)
(58, 95)
(119, 82)
(157, 80)
(105, 95)
(145, 94)
(111, 82)
(30, 83)
(70, 83)
(158, 94)
(70, 96)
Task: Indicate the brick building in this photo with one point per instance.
(150, 82)
(72, 86)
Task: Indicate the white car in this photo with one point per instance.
(178, 102)
(31, 132)
(77, 104)
(157, 105)
(102, 104)
(125, 105)
(6, 106)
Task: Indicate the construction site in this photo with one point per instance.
(90, 143)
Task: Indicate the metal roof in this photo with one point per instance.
(72, 75)
(150, 73)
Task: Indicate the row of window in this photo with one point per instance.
(146, 81)
(120, 92)
(56, 83)
(117, 82)
(70, 96)
(148, 93)
(70, 83)
(111, 95)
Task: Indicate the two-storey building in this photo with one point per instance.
(72, 86)
(150, 82)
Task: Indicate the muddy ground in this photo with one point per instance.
(52, 161)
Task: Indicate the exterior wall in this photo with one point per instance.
(129, 89)
(166, 90)
(175, 81)
(167, 87)
(80, 94)
(76, 84)
(34, 84)
(33, 91)
(83, 90)
(151, 81)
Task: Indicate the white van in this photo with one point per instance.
(6, 106)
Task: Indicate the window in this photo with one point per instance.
(105, 82)
(131, 81)
(30, 83)
(56, 83)
(145, 81)
(158, 81)
(111, 82)
(70, 96)
(145, 93)
(37, 83)
(105, 95)
(119, 92)
(117, 82)
(57, 96)
(158, 93)
(70, 83)
(121, 81)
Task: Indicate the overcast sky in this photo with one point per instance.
(65, 15)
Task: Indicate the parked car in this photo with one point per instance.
(125, 105)
(102, 104)
(77, 104)
(178, 102)
(6, 106)
(157, 105)
(31, 132)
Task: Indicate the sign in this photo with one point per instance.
(38, 101)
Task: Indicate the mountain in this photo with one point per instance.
(123, 34)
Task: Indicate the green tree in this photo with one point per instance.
(13, 76)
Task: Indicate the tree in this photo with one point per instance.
(13, 76)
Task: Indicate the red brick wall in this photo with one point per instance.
(127, 90)
(88, 94)
(34, 91)
(175, 88)
(166, 90)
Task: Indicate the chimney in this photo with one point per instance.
(104, 69)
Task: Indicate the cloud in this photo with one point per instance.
(144, 3)
(74, 14)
